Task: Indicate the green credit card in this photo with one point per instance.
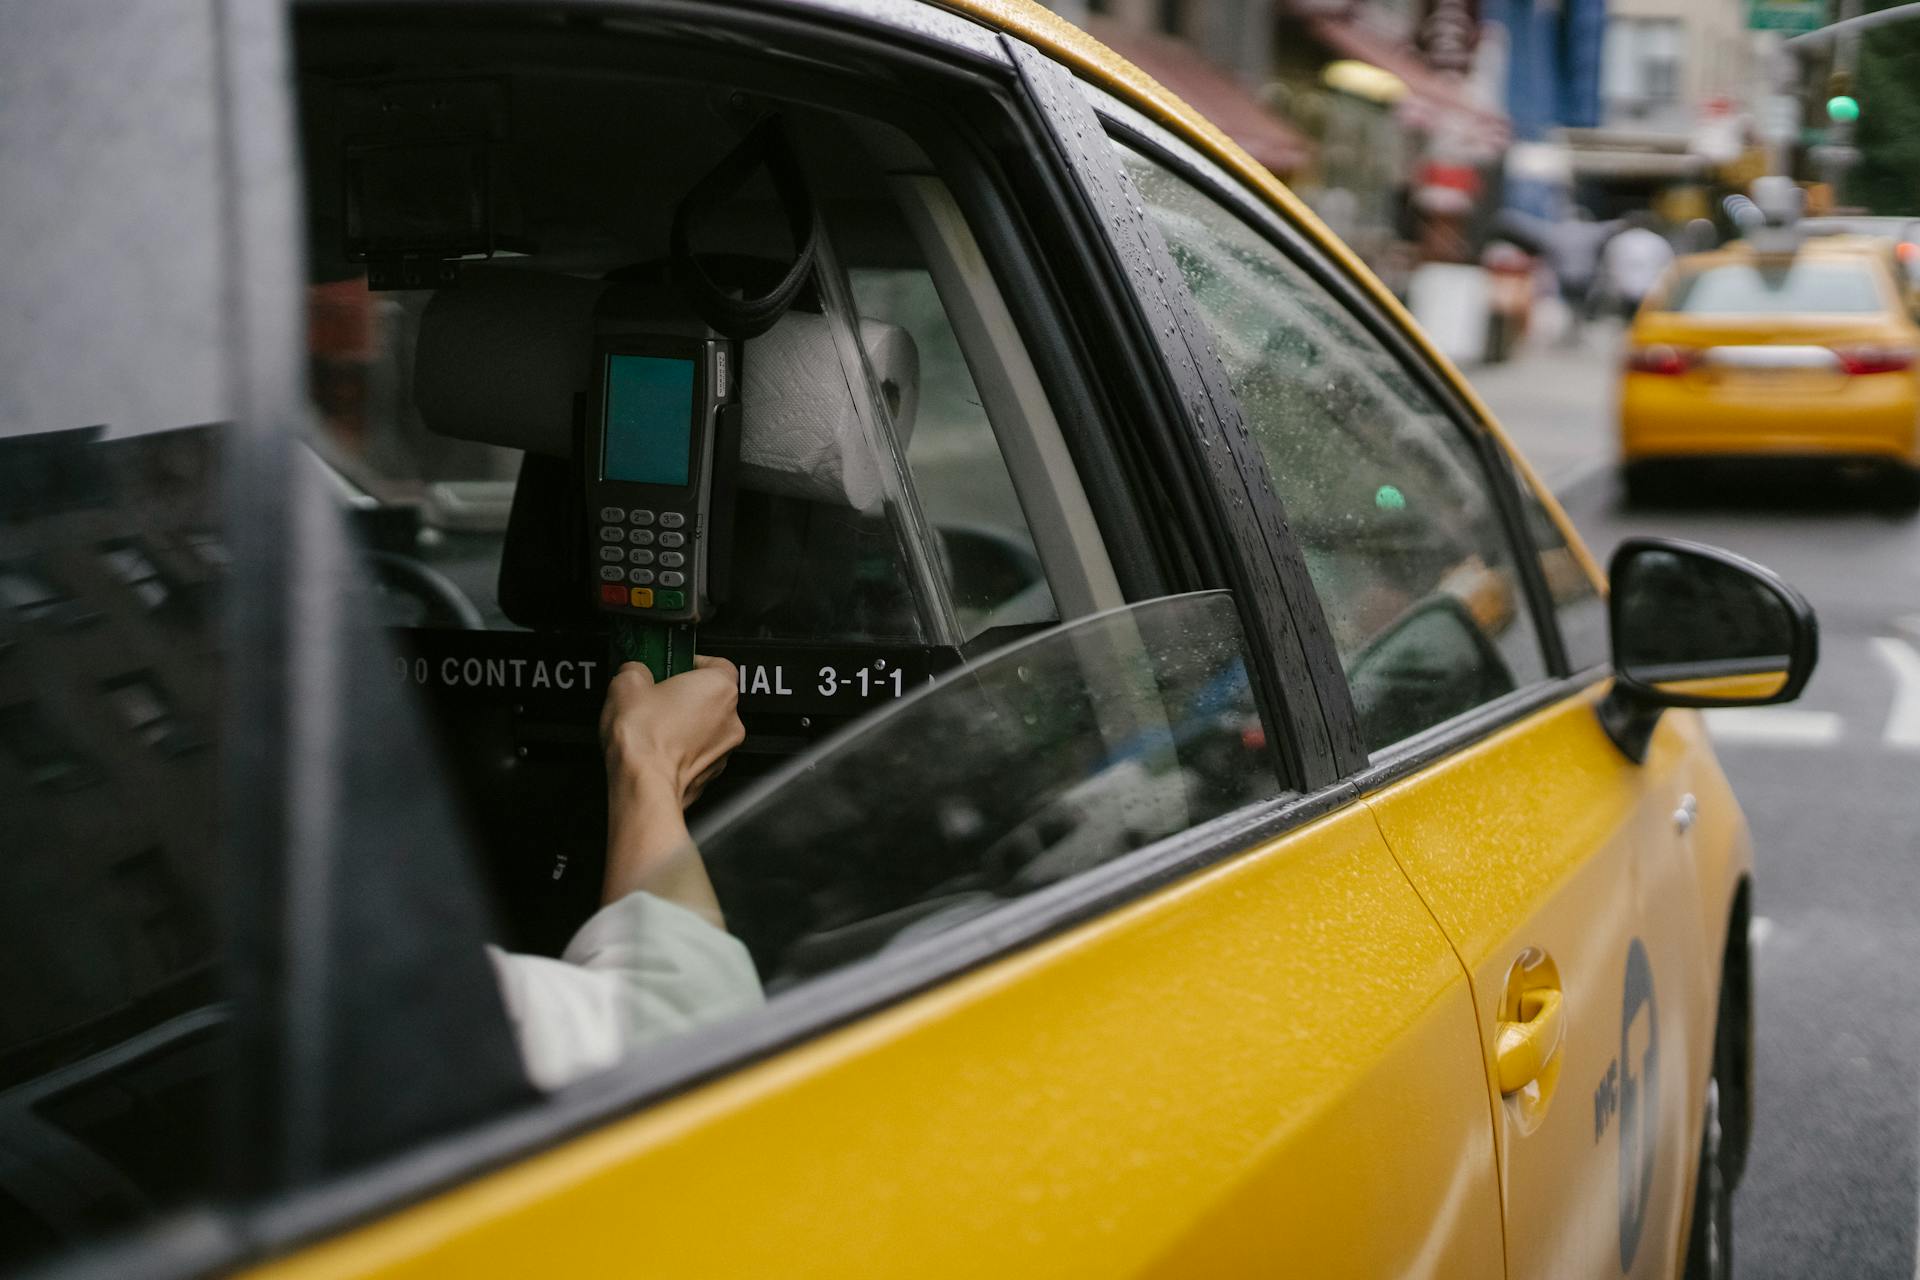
(665, 650)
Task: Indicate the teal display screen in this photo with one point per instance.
(649, 428)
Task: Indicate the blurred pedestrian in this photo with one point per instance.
(1571, 245)
(1634, 261)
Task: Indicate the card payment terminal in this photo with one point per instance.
(665, 389)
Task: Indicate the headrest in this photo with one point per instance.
(501, 359)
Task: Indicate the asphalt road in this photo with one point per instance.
(1831, 788)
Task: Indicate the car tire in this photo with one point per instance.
(1710, 1240)
(1902, 487)
(1645, 484)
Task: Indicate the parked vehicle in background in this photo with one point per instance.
(1809, 356)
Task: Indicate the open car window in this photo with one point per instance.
(1055, 756)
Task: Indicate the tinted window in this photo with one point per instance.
(1387, 496)
(1807, 288)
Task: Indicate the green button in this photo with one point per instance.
(669, 599)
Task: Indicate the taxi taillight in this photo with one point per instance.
(1661, 358)
(1858, 360)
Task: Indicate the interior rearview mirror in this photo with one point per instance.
(1694, 626)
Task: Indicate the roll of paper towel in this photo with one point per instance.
(800, 435)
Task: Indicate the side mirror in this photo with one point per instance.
(1694, 626)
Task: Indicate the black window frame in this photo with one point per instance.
(1129, 127)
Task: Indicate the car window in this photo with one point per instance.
(992, 569)
(1054, 757)
(116, 1044)
(1801, 287)
(825, 527)
(112, 1029)
(1578, 606)
(1395, 514)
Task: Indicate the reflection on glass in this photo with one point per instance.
(1051, 757)
(1390, 502)
(1697, 627)
(1434, 663)
(113, 1036)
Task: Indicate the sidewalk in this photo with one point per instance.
(1556, 403)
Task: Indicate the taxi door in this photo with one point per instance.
(1550, 860)
(1537, 848)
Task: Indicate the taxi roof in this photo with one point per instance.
(1742, 252)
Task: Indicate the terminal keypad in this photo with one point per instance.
(627, 536)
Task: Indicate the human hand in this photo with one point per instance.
(673, 735)
(664, 742)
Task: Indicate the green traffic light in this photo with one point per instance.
(1842, 109)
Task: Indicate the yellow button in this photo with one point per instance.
(641, 598)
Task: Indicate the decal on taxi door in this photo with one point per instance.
(1631, 1088)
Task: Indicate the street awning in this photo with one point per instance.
(1435, 103)
(1212, 92)
(1632, 154)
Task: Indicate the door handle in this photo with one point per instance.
(1684, 816)
(1526, 1047)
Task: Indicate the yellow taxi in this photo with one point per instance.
(1197, 809)
(1811, 353)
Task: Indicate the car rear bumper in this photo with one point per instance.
(1874, 416)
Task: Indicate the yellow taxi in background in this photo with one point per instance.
(1809, 354)
(1202, 812)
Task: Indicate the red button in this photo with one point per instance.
(610, 594)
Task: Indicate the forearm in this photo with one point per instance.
(649, 848)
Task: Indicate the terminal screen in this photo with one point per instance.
(649, 412)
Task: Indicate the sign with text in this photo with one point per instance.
(1795, 17)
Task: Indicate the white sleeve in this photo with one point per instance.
(640, 970)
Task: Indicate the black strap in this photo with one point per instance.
(765, 146)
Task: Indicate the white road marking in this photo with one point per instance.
(1758, 930)
(1774, 726)
(1903, 721)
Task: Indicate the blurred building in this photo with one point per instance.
(1406, 101)
(1677, 79)
(1213, 54)
(1553, 83)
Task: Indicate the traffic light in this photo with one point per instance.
(1842, 109)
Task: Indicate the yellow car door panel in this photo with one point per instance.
(1544, 838)
(1267, 1067)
